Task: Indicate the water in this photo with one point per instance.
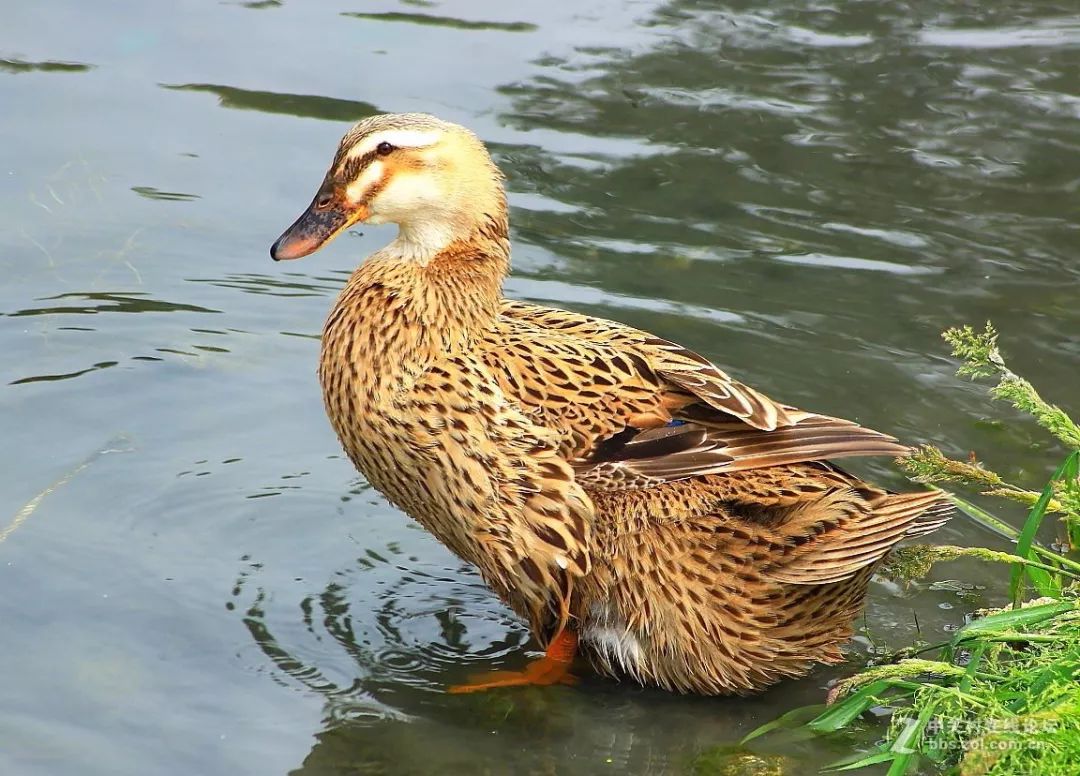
(199, 583)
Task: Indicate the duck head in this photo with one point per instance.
(432, 178)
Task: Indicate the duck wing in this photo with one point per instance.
(633, 410)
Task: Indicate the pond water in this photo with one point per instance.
(196, 582)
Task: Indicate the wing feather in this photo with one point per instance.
(692, 450)
(611, 391)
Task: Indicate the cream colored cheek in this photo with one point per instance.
(407, 192)
(356, 192)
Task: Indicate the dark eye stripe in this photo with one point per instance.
(354, 166)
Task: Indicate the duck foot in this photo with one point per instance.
(552, 668)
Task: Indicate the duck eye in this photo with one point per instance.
(384, 148)
(323, 201)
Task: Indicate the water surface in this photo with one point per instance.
(197, 582)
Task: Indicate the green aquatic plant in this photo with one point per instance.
(983, 359)
(1002, 696)
(1061, 494)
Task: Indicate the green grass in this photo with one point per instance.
(1001, 698)
(1003, 695)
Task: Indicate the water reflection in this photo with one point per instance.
(106, 302)
(167, 196)
(48, 66)
(109, 302)
(1045, 33)
(65, 376)
(442, 21)
(847, 127)
(283, 284)
(306, 105)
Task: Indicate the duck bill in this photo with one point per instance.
(314, 229)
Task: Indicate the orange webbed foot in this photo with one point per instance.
(552, 668)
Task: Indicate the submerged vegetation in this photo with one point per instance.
(1002, 696)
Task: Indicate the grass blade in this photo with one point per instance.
(1068, 470)
(992, 624)
(906, 745)
(790, 719)
(842, 713)
(863, 762)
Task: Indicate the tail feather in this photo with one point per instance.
(928, 510)
(851, 541)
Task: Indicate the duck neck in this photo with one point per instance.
(463, 282)
(457, 270)
(405, 307)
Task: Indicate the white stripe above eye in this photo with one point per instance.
(399, 138)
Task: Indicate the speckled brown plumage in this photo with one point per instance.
(603, 480)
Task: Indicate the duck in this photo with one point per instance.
(628, 499)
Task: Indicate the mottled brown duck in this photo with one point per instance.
(620, 492)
